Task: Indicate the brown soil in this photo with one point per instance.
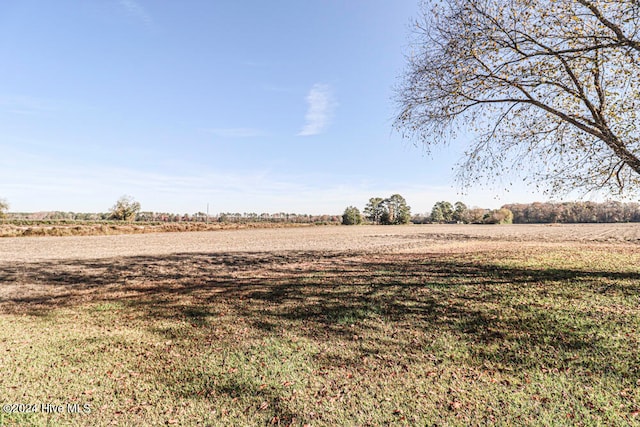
(357, 239)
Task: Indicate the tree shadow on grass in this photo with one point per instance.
(322, 295)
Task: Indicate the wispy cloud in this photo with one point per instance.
(321, 106)
(235, 132)
(134, 8)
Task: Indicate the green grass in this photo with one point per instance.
(534, 336)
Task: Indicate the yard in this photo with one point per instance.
(369, 325)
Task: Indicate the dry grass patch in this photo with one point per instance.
(107, 228)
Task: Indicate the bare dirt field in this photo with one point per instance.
(329, 238)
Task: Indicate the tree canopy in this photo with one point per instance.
(396, 210)
(351, 216)
(550, 88)
(374, 209)
(125, 209)
(392, 210)
(442, 212)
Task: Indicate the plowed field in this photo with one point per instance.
(334, 238)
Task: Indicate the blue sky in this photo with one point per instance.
(249, 106)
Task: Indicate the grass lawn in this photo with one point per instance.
(527, 335)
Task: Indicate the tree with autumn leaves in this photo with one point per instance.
(125, 209)
(551, 89)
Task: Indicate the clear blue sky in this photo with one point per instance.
(250, 106)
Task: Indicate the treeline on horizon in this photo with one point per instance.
(534, 213)
(574, 212)
(233, 217)
(523, 213)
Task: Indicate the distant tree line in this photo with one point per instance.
(279, 217)
(146, 216)
(392, 210)
(127, 208)
(532, 213)
(575, 212)
(445, 213)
